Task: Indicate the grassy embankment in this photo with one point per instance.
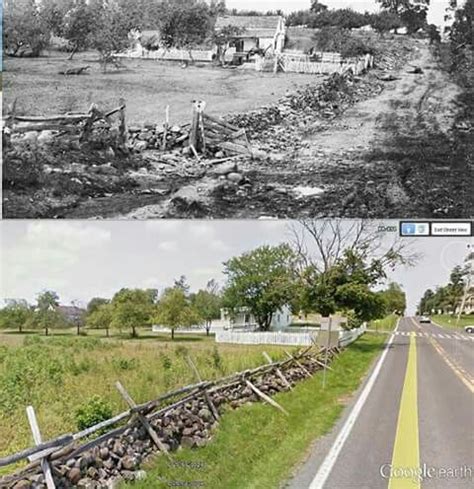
(386, 324)
(451, 322)
(256, 446)
(57, 374)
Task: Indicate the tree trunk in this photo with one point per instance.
(208, 328)
(172, 333)
(47, 331)
(20, 329)
(78, 329)
(134, 332)
(107, 332)
(73, 52)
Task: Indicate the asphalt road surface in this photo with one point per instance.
(411, 424)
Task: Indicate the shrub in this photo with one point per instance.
(93, 411)
(217, 362)
(125, 363)
(335, 39)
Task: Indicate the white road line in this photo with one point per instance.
(330, 460)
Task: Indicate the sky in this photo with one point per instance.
(81, 260)
(436, 12)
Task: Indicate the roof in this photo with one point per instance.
(254, 25)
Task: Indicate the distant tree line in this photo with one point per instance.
(447, 298)
(344, 275)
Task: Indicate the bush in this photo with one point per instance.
(93, 411)
(335, 39)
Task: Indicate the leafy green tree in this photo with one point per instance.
(95, 303)
(15, 315)
(207, 303)
(131, 309)
(262, 280)
(46, 314)
(395, 299)
(101, 317)
(174, 310)
(412, 13)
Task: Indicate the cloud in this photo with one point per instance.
(168, 246)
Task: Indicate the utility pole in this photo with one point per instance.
(326, 357)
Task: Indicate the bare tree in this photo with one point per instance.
(320, 243)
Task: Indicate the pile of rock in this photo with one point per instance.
(152, 136)
(188, 425)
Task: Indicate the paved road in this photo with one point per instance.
(418, 415)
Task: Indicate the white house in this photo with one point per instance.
(244, 319)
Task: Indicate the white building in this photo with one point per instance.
(243, 319)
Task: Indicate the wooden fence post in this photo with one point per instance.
(213, 409)
(151, 432)
(123, 123)
(266, 398)
(165, 131)
(278, 371)
(305, 371)
(196, 134)
(45, 467)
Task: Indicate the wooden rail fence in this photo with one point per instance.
(44, 454)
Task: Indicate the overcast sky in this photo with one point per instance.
(81, 260)
(436, 13)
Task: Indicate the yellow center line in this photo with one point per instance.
(406, 450)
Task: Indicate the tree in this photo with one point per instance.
(78, 26)
(95, 303)
(395, 299)
(182, 283)
(15, 315)
(47, 315)
(25, 30)
(262, 280)
(174, 310)
(185, 26)
(412, 13)
(109, 30)
(317, 7)
(131, 309)
(207, 303)
(101, 317)
(385, 21)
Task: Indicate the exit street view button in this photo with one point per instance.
(451, 229)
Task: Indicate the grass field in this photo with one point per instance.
(256, 446)
(57, 374)
(448, 321)
(147, 86)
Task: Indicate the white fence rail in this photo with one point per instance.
(348, 337)
(266, 338)
(305, 338)
(169, 54)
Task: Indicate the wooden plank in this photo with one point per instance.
(165, 129)
(47, 127)
(197, 375)
(132, 404)
(305, 371)
(278, 371)
(234, 148)
(56, 118)
(221, 122)
(266, 398)
(123, 133)
(45, 467)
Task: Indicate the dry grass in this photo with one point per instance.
(147, 86)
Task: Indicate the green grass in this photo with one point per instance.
(57, 374)
(448, 321)
(256, 446)
(386, 324)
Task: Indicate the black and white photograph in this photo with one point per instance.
(150, 109)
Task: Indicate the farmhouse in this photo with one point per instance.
(243, 319)
(257, 32)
